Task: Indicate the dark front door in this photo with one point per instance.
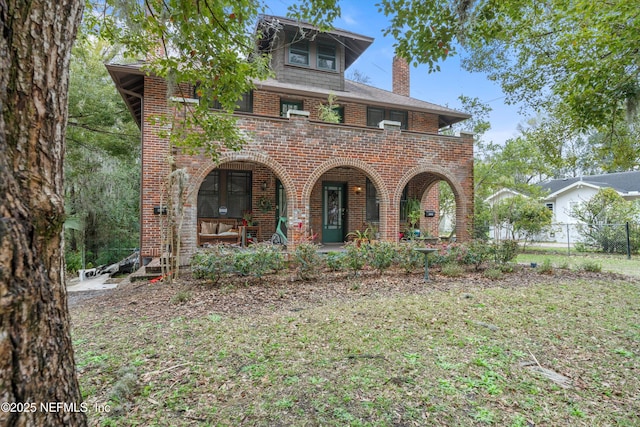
(333, 212)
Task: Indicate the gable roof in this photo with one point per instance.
(622, 182)
(354, 43)
(506, 192)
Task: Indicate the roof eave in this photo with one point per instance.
(129, 81)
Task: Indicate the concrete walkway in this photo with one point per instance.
(96, 283)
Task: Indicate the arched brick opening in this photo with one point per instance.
(430, 175)
(315, 180)
(234, 159)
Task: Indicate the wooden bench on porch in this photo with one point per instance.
(218, 230)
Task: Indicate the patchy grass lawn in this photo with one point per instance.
(612, 263)
(526, 350)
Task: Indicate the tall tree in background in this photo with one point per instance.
(577, 59)
(211, 44)
(102, 172)
(36, 357)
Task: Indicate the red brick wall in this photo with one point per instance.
(303, 153)
(268, 104)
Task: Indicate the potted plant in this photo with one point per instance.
(247, 218)
(413, 216)
(360, 237)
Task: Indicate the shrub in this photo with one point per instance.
(73, 260)
(506, 251)
(407, 258)
(354, 257)
(267, 258)
(334, 261)
(381, 255)
(212, 263)
(546, 267)
(258, 260)
(476, 253)
(447, 254)
(307, 260)
(591, 266)
(507, 267)
(452, 269)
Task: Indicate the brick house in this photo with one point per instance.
(328, 179)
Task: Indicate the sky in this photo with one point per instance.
(442, 88)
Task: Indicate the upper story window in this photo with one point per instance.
(375, 115)
(244, 104)
(299, 53)
(326, 57)
(399, 116)
(286, 105)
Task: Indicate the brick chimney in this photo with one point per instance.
(400, 76)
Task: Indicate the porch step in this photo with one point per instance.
(154, 268)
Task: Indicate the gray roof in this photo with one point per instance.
(623, 182)
(129, 79)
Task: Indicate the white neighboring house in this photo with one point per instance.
(563, 194)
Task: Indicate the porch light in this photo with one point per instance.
(357, 189)
(264, 185)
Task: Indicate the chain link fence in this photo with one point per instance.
(604, 238)
(623, 239)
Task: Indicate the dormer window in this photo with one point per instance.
(299, 53)
(326, 57)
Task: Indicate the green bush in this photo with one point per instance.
(507, 267)
(220, 260)
(307, 261)
(354, 257)
(381, 255)
(591, 266)
(546, 267)
(334, 261)
(476, 253)
(448, 254)
(73, 259)
(407, 258)
(506, 251)
(258, 260)
(213, 263)
(268, 258)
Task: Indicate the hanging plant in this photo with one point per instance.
(265, 204)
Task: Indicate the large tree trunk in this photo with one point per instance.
(36, 356)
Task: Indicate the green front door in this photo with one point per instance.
(333, 212)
